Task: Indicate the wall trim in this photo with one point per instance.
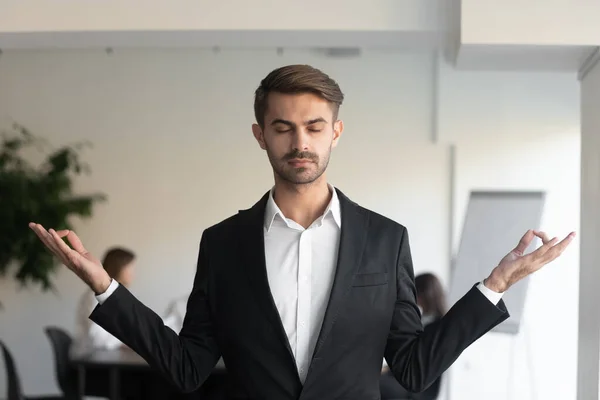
(589, 63)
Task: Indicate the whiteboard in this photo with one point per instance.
(494, 223)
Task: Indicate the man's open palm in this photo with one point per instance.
(77, 259)
(516, 265)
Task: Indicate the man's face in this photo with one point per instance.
(126, 275)
(298, 135)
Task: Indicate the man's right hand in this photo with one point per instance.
(77, 259)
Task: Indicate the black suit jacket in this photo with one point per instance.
(392, 390)
(371, 312)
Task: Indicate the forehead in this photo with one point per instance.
(297, 107)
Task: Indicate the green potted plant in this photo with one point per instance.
(41, 194)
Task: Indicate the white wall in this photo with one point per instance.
(589, 296)
(169, 127)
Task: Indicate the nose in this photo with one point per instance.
(301, 140)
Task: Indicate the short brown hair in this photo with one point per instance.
(296, 79)
(116, 259)
(430, 291)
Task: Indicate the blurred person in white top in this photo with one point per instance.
(119, 263)
(176, 313)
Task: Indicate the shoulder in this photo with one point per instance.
(382, 221)
(376, 220)
(222, 229)
(224, 225)
(232, 224)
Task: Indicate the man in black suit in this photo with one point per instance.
(304, 293)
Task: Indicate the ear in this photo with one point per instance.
(259, 136)
(338, 128)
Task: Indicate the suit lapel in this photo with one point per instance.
(253, 258)
(352, 241)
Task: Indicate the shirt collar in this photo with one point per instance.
(333, 209)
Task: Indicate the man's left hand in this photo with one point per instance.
(516, 265)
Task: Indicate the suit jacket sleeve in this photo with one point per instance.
(186, 359)
(417, 356)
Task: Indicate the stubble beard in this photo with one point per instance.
(302, 175)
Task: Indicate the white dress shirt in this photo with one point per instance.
(300, 268)
(301, 292)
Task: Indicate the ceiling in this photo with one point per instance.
(433, 27)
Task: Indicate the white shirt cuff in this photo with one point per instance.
(492, 296)
(101, 298)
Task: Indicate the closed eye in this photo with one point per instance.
(315, 128)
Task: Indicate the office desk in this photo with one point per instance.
(115, 361)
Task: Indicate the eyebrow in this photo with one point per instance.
(291, 124)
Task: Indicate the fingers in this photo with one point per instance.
(65, 250)
(45, 238)
(557, 249)
(76, 243)
(524, 242)
(50, 242)
(547, 243)
(549, 251)
(542, 235)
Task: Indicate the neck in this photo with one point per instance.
(302, 203)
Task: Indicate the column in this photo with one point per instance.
(589, 238)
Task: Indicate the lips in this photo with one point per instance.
(299, 162)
